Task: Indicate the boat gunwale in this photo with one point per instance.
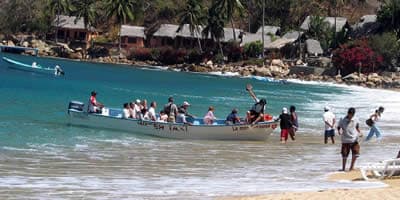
(169, 123)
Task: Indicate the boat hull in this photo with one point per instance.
(259, 132)
(25, 67)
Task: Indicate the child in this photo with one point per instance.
(163, 116)
(285, 125)
(209, 117)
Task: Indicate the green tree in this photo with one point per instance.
(389, 16)
(192, 15)
(86, 10)
(121, 11)
(228, 8)
(320, 30)
(58, 7)
(215, 26)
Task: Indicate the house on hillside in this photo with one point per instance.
(368, 25)
(132, 36)
(341, 23)
(164, 36)
(72, 30)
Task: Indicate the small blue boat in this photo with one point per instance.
(34, 67)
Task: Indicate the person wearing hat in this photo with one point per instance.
(171, 110)
(256, 113)
(329, 121)
(184, 107)
(94, 105)
(233, 117)
(285, 125)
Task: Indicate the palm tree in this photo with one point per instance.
(58, 7)
(215, 26)
(228, 8)
(85, 9)
(122, 11)
(192, 15)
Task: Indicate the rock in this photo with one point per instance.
(75, 56)
(351, 77)
(262, 71)
(197, 68)
(277, 62)
(370, 84)
(210, 62)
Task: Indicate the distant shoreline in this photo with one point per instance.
(186, 68)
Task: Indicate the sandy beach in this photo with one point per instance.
(391, 192)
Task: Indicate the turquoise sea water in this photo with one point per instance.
(41, 157)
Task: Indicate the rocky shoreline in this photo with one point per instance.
(277, 69)
(280, 71)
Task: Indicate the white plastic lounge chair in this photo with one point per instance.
(381, 170)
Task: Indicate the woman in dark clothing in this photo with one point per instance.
(285, 125)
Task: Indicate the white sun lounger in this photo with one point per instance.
(381, 170)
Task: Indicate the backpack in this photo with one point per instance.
(369, 122)
(167, 108)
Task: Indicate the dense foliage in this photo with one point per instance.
(357, 56)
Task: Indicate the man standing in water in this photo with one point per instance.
(349, 129)
(329, 120)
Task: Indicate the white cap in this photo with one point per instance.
(137, 100)
(185, 103)
(284, 110)
(327, 108)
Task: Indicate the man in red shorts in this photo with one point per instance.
(348, 128)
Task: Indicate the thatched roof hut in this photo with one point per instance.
(341, 23)
(274, 30)
(314, 47)
(68, 22)
(133, 31)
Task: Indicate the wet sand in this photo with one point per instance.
(391, 192)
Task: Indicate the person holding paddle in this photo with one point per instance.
(256, 113)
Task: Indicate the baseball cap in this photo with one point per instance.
(284, 110)
(137, 100)
(185, 103)
(327, 108)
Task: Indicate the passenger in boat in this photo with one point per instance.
(137, 109)
(209, 117)
(126, 112)
(185, 105)
(256, 113)
(94, 105)
(171, 110)
(131, 109)
(181, 117)
(144, 110)
(233, 117)
(285, 125)
(163, 117)
(151, 114)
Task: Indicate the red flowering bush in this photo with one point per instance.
(170, 56)
(142, 54)
(356, 57)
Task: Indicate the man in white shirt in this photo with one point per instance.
(329, 121)
(152, 111)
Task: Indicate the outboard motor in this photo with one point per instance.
(75, 105)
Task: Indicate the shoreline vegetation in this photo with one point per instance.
(391, 192)
(275, 69)
(357, 44)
